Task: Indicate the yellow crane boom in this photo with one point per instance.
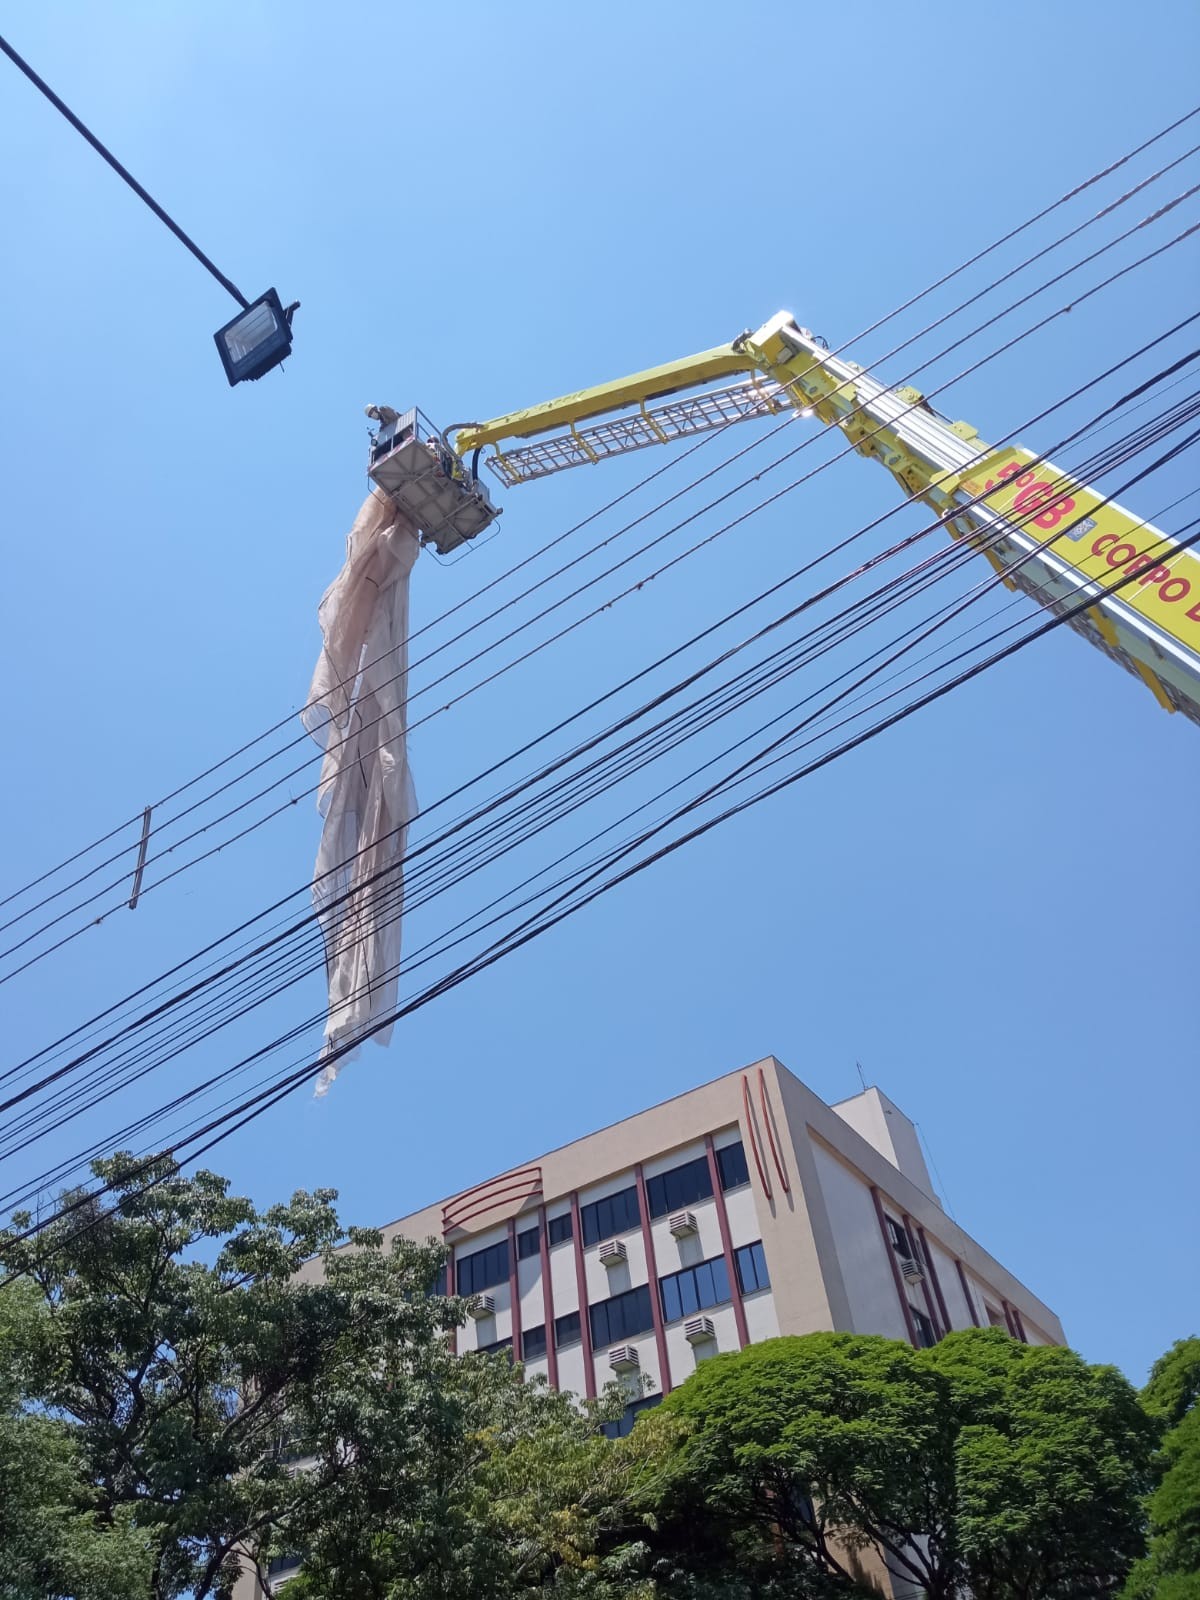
(1008, 502)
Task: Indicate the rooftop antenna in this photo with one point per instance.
(861, 1079)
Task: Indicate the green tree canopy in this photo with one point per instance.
(52, 1543)
(1171, 1570)
(981, 1465)
(183, 1364)
(188, 1385)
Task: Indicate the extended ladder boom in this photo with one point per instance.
(1006, 502)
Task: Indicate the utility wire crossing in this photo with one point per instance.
(508, 573)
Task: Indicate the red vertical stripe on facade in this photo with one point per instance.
(966, 1289)
(928, 1298)
(753, 1137)
(514, 1289)
(547, 1300)
(735, 1287)
(451, 1286)
(901, 1293)
(660, 1332)
(1015, 1324)
(937, 1286)
(585, 1322)
(767, 1123)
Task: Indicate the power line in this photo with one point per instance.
(255, 1105)
(957, 553)
(633, 588)
(990, 582)
(913, 300)
(294, 1032)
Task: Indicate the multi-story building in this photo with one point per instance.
(743, 1209)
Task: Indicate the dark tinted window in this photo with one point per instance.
(533, 1342)
(679, 1188)
(496, 1347)
(484, 1269)
(286, 1563)
(616, 1213)
(926, 1334)
(558, 1229)
(752, 1267)
(899, 1237)
(624, 1316)
(624, 1424)
(528, 1243)
(731, 1161)
(567, 1330)
(439, 1283)
(694, 1289)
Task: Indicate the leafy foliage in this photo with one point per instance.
(51, 1541)
(177, 1380)
(1171, 1569)
(981, 1464)
(189, 1386)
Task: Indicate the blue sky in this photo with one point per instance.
(992, 907)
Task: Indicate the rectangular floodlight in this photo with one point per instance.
(257, 339)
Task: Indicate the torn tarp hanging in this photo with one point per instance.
(356, 711)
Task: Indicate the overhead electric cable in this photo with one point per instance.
(849, 449)
(800, 571)
(255, 1105)
(992, 580)
(913, 300)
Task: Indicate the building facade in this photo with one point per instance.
(743, 1209)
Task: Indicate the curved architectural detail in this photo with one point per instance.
(510, 1189)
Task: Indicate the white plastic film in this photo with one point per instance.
(356, 711)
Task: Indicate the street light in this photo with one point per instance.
(257, 339)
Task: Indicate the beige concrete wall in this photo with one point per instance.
(828, 1266)
(811, 1120)
(882, 1124)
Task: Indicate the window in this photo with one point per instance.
(926, 1333)
(624, 1424)
(623, 1316)
(558, 1229)
(899, 1237)
(996, 1319)
(751, 1263)
(278, 1564)
(731, 1163)
(533, 1342)
(616, 1213)
(484, 1269)
(495, 1348)
(694, 1289)
(567, 1329)
(528, 1243)
(681, 1187)
(439, 1283)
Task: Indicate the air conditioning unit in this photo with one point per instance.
(911, 1270)
(683, 1225)
(624, 1358)
(612, 1253)
(699, 1330)
(481, 1305)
